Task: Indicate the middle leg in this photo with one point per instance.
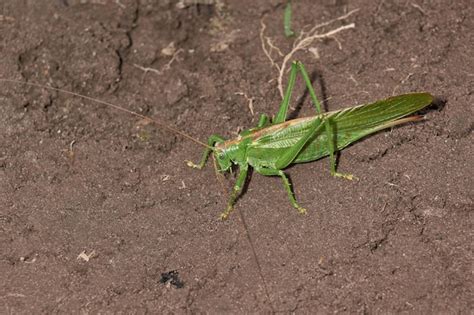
(286, 184)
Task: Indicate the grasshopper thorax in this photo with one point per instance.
(230, 152)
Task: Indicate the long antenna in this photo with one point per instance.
(159, 123)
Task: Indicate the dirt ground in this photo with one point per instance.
(99, 212)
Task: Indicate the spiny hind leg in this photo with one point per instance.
(307, 81)
(292, 152)
(328, 127)
(213, 139)
(281, 117)
(283, 110)
(286, 184)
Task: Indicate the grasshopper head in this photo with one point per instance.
(231, 152)
(224, 161)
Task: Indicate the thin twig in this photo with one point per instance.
(167, 66)
(249, 101)
(303, 40)
(342, 17)
(173, 58)
(264, 48)
(302, 44)
(147, 69)
(272, 46)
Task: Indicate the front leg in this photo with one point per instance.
(239, 184)
(211, 142)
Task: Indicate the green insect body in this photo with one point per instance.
(272, 146)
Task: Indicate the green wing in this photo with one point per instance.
(348, 125)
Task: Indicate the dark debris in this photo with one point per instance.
(173, 278)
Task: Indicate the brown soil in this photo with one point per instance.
(78, 177)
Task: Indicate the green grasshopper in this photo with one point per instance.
(272, 146)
